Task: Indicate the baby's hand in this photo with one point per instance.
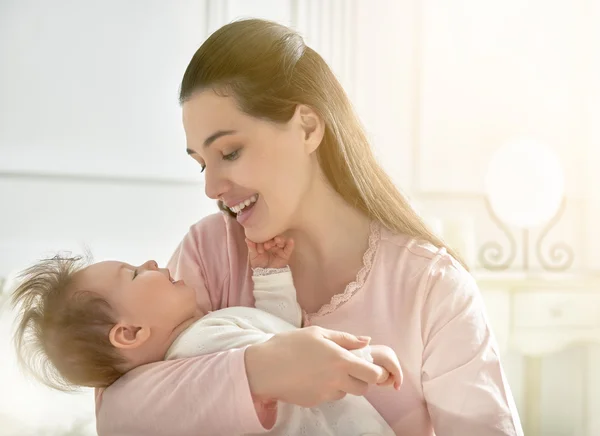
(387, 359)
(274, 253)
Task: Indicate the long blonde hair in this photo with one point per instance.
(269, 70)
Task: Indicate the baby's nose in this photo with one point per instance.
(151, 265)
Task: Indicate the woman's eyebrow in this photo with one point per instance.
(212, 138)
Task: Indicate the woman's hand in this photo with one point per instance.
(310, 366)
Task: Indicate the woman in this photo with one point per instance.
(283, 152)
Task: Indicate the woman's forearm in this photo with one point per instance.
(262, 379)
(201, 395)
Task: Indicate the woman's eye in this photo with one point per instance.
(203, 168)
(232, 156)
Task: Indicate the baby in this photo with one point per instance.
(88, 325)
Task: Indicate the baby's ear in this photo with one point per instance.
(127, 336)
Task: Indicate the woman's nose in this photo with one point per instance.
(215, 185)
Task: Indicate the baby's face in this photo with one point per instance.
(143, 296)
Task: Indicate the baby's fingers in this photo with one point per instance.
(396, 374)
(270, 244)
(388, 381)
(288, 248)
(387, 359)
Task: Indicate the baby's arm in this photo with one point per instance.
(226, 329)
(274, 293)
(274, 290)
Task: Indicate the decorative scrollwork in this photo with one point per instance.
(491, 254)
(560, 255)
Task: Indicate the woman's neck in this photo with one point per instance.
(330, 239)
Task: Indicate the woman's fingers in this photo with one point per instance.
(364, 371)
(354, 366)
(319, 369)
(353, 386)
(343, 339)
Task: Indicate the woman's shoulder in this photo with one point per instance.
(216, 229)
(215, 241)
(426, 275)
(420, 259)
(218, 221)
(410, 249)
(212, 252)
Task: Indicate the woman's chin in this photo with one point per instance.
(256, 236)
(259, 234)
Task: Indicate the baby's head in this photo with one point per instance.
(86, 325)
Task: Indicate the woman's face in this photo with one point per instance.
(259, 169)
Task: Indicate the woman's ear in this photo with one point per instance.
(312, 126)
(127, 336)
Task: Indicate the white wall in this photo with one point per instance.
(495, 71)
(128, 219)
(91, 87)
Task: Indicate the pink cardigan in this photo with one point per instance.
(409, 295)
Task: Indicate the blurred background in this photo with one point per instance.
(486, 114)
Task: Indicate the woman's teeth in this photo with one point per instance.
(239, 207)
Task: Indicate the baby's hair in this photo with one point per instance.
(62, 333)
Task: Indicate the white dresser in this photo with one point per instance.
(540, 315)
